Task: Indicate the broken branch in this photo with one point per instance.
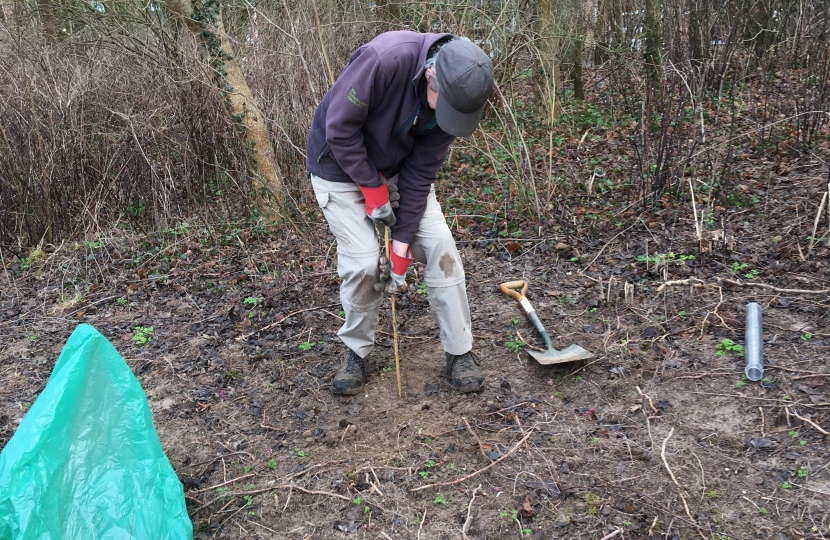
(476, 473)
(676, 483)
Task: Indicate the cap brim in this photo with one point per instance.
(455, 122)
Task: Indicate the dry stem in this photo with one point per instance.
(466, 528)
(476, 473)
(807, 420)
(473, 433)
(676, 483)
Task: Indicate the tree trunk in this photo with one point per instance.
(550, 44)
(204, 19)
(651, 53)
(576, 75)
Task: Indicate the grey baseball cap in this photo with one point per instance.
(465, 75)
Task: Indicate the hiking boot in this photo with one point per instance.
(464, 373)
(350, 377)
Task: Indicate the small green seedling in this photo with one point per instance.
(247, 469)
(272, 464)
(142, 335)
(763, 511)
(249, 499)
(727, 346)
(307, 345)
(252, 301)
(793, 434)
(440, 499)
(802, 471)
(806, 336)
(300, 452)
(681, 315)
(515, 345)
(786, 485)
(122, 301)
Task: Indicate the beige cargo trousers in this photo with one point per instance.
(358, 250)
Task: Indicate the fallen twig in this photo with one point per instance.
(676, 483)
(521, 429)
(473, 433)
(476, 473)
(298, 488)
(650, 402)
(273, 324)
(772, 288)
(508, 408)
(609, 536)
(309, 469)
(421, 524)
(237, 479)
(803, 419)
(466, 528)
(763, 423)
(695, 282)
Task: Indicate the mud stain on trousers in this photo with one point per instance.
(447, 265)
(364, 293)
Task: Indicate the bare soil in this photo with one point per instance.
(657, 436)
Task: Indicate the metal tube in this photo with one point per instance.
(754, 348)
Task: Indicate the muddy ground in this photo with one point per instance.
(657, 436)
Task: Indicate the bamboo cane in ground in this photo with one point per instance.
(394, 321)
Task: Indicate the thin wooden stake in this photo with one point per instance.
(394, 321)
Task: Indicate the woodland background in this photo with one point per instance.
(144, 113)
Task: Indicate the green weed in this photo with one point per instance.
(272, 464)
(307, 346)
(594, 502)
(726, 345)
(142, 335)
(515, 345)
(440, 499)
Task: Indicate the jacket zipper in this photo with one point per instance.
(323, 153)
(409, 122)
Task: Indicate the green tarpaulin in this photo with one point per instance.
(86, 462)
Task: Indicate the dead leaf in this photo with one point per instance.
(526, 509)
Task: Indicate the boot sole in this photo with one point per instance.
(467, 387)
(346, 391)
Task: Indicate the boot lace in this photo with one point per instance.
(466, 362)
(355, 364)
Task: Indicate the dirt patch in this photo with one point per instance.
(238, 366)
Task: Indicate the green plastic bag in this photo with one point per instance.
(86, 462)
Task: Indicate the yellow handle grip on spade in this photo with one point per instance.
(507, 287)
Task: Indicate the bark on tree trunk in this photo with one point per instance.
(549, 57)
(651, 28)
(204, 19)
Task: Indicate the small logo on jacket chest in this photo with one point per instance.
(355, 100)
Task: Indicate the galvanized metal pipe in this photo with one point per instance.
(754, 343)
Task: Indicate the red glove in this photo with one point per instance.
(377, 205)
(393, 276)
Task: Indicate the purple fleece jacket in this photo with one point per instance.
(373, 121)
